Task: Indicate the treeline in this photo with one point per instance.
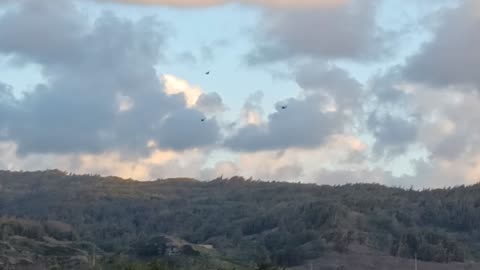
(251, 221)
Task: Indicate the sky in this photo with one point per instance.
(382, 91)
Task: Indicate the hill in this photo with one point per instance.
(45, 245)
(228, 223)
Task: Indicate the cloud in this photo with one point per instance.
(443, 87)
(431, 126)
(158, 164)
(323, 108)
(7, 100)
(102, 92)
(296, 164)
(393, 134)
(268, 3)
(283, 126)
(174, 85)
(448, 131)
(194, 95)
(335, 82)
(342, 32)
(221, 169)
(440, 174)
(210, 103)
(177, 130)
(386, 88)
(252, 112)
(451, 57)
(103, 108)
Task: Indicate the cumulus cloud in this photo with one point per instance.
(177, 130)
(318, 78)
(194, 96)
(297, 164)
(322, 110)
(102, 91)
(393, 134)
(303, 125)
(434, 102)
(343, 32)
(174, 85)
(210, 103)
(433, 125)
(451, 57)
(448, 131)
(102, 107)
(443, 77)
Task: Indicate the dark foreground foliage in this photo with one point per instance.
(245, 222)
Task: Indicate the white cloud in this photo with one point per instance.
(175, 85)
(158, 164)
(298, 164)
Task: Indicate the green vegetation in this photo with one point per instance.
(47, 245)
(238, 223)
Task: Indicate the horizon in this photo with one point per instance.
(326, 92)
(247, 179)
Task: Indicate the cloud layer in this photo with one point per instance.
(346, 31)
(104, 108)
(452, 57)
(206, 3)
(87, 68)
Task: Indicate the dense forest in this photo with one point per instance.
(228, 223)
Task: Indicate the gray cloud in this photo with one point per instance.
(450, 147)
(444, 118)
(7, 100)
(453, 134)
(393, 134)
(343, 32)
(451, 57)
(302, 125)
(183, 130)
(22, 36)
(210, 103)
(87, 67)
(308, 121)
(384, 89)
(331, 80)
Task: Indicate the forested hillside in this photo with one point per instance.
(239, 223)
